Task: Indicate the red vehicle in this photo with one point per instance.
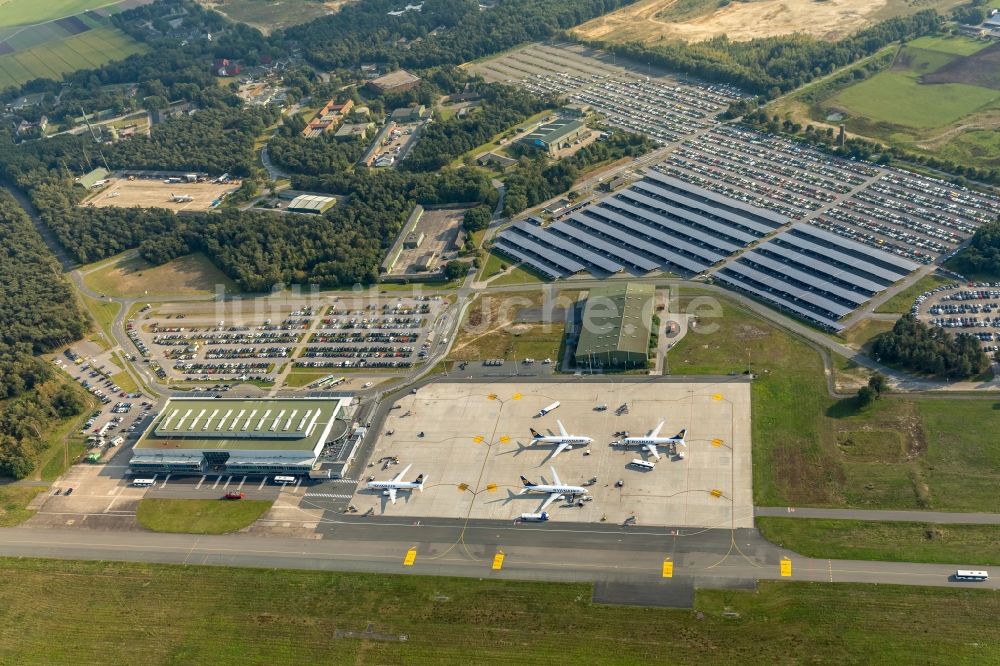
(234, 496)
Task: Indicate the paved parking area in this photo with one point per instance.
(964, 308)
(234, 341)
(476, 444)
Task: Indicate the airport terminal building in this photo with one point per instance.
(617, 320)
(237, 436)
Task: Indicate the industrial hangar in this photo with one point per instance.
(617, 321)
(236, 436)
(469, 443)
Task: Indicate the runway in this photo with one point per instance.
(581, 553)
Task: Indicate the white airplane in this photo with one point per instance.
(556, 490)
(563, 439)
(181, 198)
(396, 483)
(653, 439)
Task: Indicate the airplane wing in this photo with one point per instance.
(555, 477)
(549, 500)
(655, 432)
(653, 450)
(559, 449)
(392, 495)
(399, 476)
(562, 430)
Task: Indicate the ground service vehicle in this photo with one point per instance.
(142, 483)
(966, 575)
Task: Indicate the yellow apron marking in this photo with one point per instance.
(478, 439)
(504, 439)
(411, 555)
(498, 561)
(516, 396)
(668, 568)
(716, 442)
(492, 487)
(786, 567)
(716, 492)
(717, 397)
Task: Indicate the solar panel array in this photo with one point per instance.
(659, 222)
(815, 274)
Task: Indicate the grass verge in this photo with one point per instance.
(13, 503)
(903, 301)
(498, 621)
(889, 541)
(214, 516)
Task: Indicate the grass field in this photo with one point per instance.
(13, 500)
(135, 277)
(490, 330)
(53, 59)
(104, 313)
(896, 98)
(268, 15)
(811, 449)
(205, 615)
(890, 541)
(27, 12)
(213, 516)
(950, 44)
(903, 301)
(862, 333)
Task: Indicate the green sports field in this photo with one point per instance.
(52, 60)
(28, 12)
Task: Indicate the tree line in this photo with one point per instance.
(982, 255)
(918, 347)
(38, 313)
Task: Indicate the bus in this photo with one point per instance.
(284, 479)
(143, 483)
(963, 574)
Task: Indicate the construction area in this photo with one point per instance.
(472, 442)
(156, 193)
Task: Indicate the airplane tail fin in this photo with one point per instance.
(527, 484)
(681, 434)
(420, 481)
(534, 434)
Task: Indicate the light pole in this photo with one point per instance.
(749, 372)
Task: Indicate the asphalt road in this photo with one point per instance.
(599, 554)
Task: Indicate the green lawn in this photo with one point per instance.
(892, 97)
(864, 331)
(956, 45)
(891, 541)
(13, 500)
(103, 312)
(214, 516)
(302, 377)
(27, 12)
(518, 275)
(903, 301)
(219, 615)
(190, 275)
(810, 449)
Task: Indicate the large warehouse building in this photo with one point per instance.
(236, 436)
(617, 321)
(558, 134)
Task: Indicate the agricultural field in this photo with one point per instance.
(699, 20)
(814, 450)
(134, 277)
(268, 15)
(52, 59)
(164, 609)
(29, 12)
(940, 95)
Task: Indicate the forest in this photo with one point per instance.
(38, 313)
(917, 347)
(982, 256)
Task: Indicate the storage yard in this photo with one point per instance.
(155, 193)
(472, 442)
(846, 230)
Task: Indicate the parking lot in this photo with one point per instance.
(227, 342)
(121, 416)
(630, 97)
(472, 442)
(972, 308)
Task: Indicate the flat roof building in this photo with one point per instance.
(551, 137)
(311, 203)
(617, 320)
(237, 436)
